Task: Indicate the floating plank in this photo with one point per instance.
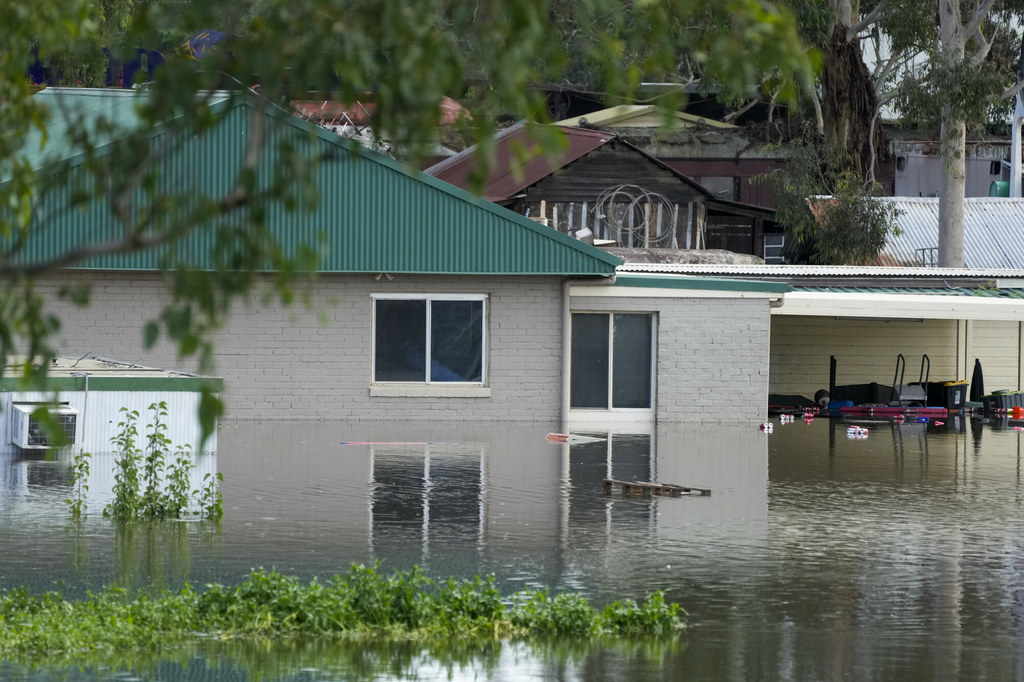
(648, 488)
(887, 411)
(572, 438)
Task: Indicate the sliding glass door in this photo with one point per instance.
(612, 361)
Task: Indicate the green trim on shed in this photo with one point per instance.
(703, 283)
(374, 215)
(164, 384)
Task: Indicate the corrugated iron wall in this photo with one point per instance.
(99, 413)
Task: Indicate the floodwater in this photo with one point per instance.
(817, 556)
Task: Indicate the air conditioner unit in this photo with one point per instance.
(28, 434)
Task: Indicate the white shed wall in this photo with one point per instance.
(99, 413)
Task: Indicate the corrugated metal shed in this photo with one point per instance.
(373, 214)
(993, 232)
(97, 388)
(509, 176)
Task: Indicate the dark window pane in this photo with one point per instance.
(401, 341)
(455, 492)
(589, 365)
(456, 340)
(631, 362)
(631, 457)
(588, 467)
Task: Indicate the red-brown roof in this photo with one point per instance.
(509, 175)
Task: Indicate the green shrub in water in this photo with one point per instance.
(269, 604)
(154, 483)
(79, 486)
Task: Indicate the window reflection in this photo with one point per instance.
(626, 457)
(427, 495)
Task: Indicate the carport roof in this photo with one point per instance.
(875, 292)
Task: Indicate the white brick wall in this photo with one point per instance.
(712, 355)
(298, 363)
(293, 363)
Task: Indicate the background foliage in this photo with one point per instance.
(404, 57)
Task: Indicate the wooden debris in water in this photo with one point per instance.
(648, 489)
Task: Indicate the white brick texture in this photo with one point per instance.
(294, 362)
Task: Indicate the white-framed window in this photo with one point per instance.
(429, 338)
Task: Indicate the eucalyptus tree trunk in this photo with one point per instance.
(953, 138)
(848, 92)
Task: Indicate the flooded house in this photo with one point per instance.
(427, 304)
(941, 320)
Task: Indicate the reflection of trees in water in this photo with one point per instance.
(604, 658)
(156, 555)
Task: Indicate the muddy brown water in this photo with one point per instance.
(817, 556)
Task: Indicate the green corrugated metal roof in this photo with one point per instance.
(702, 283)
(373, 214)
(82, 113)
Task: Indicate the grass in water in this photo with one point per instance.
(404, 604)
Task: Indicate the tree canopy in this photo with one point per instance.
(404, 56)
(949, 67)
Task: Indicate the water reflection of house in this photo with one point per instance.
(437, 493)
(429, 303)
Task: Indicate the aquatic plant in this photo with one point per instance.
(404, 605)
(152, 484)
(79, 486)
(127, 499)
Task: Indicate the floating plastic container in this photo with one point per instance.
(954, 394)
(856, 432)
(1003, 400)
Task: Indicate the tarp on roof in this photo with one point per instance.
(198, 44)
(509, 175)
(374, 215)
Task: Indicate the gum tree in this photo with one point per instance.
(404, 55)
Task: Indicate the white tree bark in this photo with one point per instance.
(952, 143)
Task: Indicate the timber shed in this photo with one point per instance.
(601, 186)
